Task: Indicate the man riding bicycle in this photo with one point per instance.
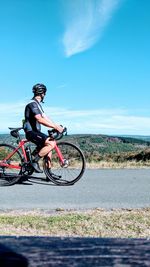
(34, 117)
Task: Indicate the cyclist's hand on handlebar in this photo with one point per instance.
(57, 132)
(60, 128)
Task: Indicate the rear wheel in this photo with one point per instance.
(10, 169)
(71, 170)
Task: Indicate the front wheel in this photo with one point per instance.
(10, 165)
(72, 168)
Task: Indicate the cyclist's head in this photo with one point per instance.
(39, 89)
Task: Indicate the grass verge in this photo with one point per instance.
(93, 223)
(133, 164)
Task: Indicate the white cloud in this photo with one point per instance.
(104, 121)
(85, 22)
(61, 86)
(11, 115)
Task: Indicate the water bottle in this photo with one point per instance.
(28, 153)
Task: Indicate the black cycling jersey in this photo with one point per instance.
(32, 109)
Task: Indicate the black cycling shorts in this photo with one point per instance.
(37, 138)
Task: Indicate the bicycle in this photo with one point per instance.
(67, 162)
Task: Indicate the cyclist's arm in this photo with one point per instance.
(48, 123)
(44, 116)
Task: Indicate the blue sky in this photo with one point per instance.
(93, 56)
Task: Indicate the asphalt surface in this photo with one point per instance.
(106, 188)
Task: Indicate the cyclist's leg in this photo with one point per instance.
(47, 148)
(39, 139)
(42, 141)
(49, 156)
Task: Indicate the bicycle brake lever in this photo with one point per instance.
(65, 131)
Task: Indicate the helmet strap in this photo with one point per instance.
(42, 98)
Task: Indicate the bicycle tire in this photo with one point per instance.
(70, 173)
(9, 176)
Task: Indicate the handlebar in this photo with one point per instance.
(54, 134)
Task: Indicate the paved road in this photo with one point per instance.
(98, 188)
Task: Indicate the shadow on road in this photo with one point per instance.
(9, 257)
(73, 251)
(30, 180)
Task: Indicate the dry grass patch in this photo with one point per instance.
(118, 165)
(95, 223)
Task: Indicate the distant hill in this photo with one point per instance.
(104, 147)
(140, 137)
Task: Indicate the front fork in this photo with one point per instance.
(63, 162)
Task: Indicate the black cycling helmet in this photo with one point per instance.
(39, 89)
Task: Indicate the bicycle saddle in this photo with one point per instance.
(14, 131)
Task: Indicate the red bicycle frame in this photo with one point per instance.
(59, 153)
(21, 146)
